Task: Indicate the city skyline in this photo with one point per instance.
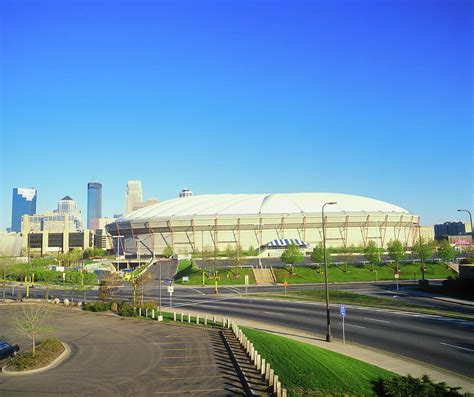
(360, 98)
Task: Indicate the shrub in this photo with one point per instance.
(98, 306)
(127, 310)
(46, 352)
(401, 386)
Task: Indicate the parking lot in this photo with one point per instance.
(113, 356)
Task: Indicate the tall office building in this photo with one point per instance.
(133, 195)
(94, 202)
(449, 229)
(69, 206)
(23, 203)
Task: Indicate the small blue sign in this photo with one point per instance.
(342, 310)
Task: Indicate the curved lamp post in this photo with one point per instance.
(470, 218)
(328, 318)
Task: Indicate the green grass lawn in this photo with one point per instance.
(305, 274)
(360, 273)
(227, 276)
(306, 370)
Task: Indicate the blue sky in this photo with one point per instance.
(364, 97)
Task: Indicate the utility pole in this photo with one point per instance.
(328, 316)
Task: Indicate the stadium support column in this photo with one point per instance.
(137, 252)
(216, 236)
(282, 227)
(383, 230)
(260, 243)
(304, 228)
(170, 228)
(151, 237)
(194, 234)
(238, 236)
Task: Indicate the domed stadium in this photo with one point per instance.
(265, 221)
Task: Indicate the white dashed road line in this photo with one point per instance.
(376, 319)
(458, 347)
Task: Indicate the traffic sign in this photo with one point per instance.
(170, 289)
(397, 275)
(246, 279)
(342, 310)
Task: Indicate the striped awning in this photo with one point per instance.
(286, 242)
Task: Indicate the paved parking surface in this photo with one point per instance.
(112, 356)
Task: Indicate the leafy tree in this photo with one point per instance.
(470, 254)
(235, 260)
(168, 252)
(317, 255)
(30, 321)
(346, 252)
(396, 251)
(292, 256)
(424, 250)
(373, 253)
(446, 251)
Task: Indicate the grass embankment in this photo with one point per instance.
(45, 354)
(311, 371)
(234, 276)
(304, 274)
(336, 273)
(345, 297)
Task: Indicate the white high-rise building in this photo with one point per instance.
(133, 195)
(69, 206)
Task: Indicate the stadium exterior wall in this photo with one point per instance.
(186, 235)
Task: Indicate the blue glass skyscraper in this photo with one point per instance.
(94, 202)
(23, 203)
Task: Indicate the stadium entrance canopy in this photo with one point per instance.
(283, 243)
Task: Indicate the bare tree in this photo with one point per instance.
(109, 286)
(139, 282)
(31, 321)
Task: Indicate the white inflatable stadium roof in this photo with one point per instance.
(256, 204)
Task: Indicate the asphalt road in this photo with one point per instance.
(113, 356)
(443, 342)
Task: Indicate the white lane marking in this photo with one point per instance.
(274, 313)
(376, 319)
(233, 289)
(199, 292)
(298, 310)
(355, 326)
(457, 347)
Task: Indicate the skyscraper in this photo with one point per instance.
(68, 206)
(94, 202)
(23, 203)
(133, 195)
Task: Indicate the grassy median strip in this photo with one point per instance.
(345, 297)
(45, 354)
(227, 276)
(337, 273)
(307, 370)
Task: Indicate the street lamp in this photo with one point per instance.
(470, 218)
(328, 317)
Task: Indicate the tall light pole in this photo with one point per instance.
(328, 317)
(470, 218)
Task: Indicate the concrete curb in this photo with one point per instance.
(58, 360)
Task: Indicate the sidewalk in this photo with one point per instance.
(391, 362)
